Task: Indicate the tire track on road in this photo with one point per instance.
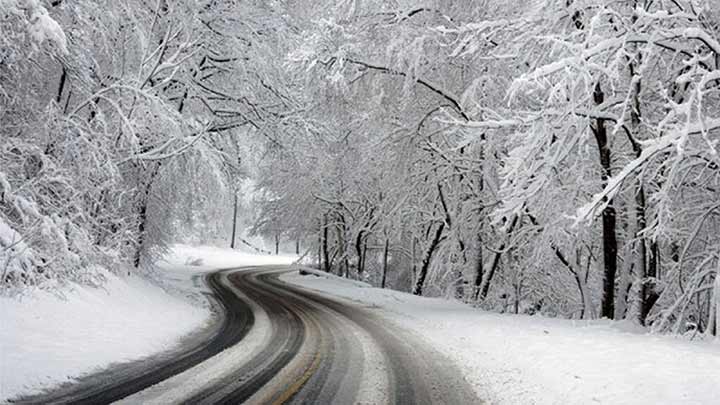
(121, 381)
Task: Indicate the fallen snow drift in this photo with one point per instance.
(511, 359)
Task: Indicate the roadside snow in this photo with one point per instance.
(47, 338)
(510, 359)
(207, 258)
(181, 386)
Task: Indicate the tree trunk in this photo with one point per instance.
(342, 232)
(608, 215)
(583, 304)
(359, 252)
(641, 224)
(478, 268)
(427, 259)
(459, 281)
(518, 292)
(648, 292)
(715, 314)
(364, 253)
(142, 218)
(485, 285)
(142, 215)
(581, 281)
(646, 261)
(325, 247)
(234, 222)
(320, 249)
(413, 259)
(385, 262)
(61, 86)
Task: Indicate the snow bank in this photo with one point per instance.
(513, 359)
(45, 337)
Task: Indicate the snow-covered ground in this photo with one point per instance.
(46, 338)
(49, 338)
(511, 359)
(204, 258)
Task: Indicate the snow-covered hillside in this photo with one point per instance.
(47, 338)
(512, 359)
(50, 338)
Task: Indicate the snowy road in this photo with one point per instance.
(283, 344)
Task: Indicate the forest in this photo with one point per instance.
(554, 157)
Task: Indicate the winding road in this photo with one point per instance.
(277, 343)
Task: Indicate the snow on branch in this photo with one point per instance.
(650, 149)
(430, 86)
(702, 36)
(582, 57)
(488, 124)
(41, 26)
(165, 151)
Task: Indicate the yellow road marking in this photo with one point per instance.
(294, 388)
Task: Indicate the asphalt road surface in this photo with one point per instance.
(277, 343)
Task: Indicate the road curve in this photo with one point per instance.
(120, 381)
(286, 344)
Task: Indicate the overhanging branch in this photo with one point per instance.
(435, 89)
